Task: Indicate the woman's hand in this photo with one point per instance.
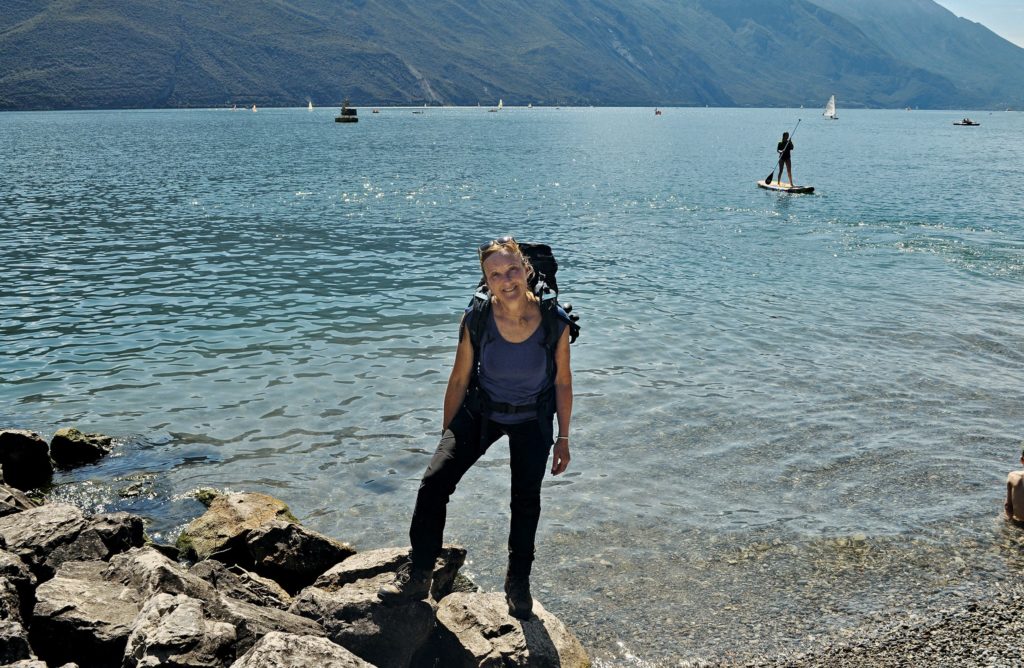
(560, 462)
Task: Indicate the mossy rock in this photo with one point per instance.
(226, 522)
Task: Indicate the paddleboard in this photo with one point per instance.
(785, 187)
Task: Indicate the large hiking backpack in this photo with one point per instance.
(545, 287)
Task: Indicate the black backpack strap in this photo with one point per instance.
(475, 325)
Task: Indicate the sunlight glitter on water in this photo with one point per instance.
(266, 303)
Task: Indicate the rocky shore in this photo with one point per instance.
(245, 586)
(985, 633)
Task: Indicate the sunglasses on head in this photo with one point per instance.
(500, 241)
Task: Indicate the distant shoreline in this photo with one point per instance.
(322, 106)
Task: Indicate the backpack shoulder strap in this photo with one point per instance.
(475, 322)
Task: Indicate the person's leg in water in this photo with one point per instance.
(460, 447)
(529, 448)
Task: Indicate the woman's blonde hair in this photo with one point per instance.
(507, 244)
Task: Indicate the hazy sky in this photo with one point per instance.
(1003, 17)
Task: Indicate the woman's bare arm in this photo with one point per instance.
(563, 404)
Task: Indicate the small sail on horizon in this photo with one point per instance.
(501, 105)
(830, 109)
(309, 105)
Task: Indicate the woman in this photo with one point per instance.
(511, 386)
(784, 148)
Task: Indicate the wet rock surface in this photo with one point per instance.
(25, 459)
(70, 447)
(222, 530)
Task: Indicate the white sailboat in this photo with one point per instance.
(309, 105)
(830, 109)
(501, 105)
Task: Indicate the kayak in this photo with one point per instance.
(785, 188)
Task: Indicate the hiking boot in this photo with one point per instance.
(411, 584)
(517, 596)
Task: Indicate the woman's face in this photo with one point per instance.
(505, 275)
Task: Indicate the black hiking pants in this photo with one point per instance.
(467, 439)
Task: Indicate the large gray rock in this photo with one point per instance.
(148, 572)
(25, 459)
(236, 582)
(173, 631)
(372, 563)
(70, 447)
(252, 622)
(81, 617)
(353, 616)
(14, 644)
(222, 528)
(119, 532)
(10, 602)
(50, 535)
(286, 650)
(17, 573)
(14, 501)
(41, 536)
(291, 554)
(476, 631)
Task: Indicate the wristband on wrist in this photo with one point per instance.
(562, 438)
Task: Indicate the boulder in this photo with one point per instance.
(475, 630)
(81, 617)
(119, 532)
(291, 554)
(14, 501)
(238, 583)
(173, 631)
(148, 572)
(286, 650)
(10, 602)
(14, 645)
(42, 536)
(252, 622)
(169, 551)
(17, 573)
(70, 447)
(222, 528)
(372, 563)
(25, 459)
(353, 616)
(48, 536)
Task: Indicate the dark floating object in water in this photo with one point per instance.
(347, 114)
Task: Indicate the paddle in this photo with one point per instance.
(768, 181)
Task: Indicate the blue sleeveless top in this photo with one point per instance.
(514, 373)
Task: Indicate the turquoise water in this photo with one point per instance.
(793, 413)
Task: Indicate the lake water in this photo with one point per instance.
(793, 414)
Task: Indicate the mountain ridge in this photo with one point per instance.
(208, 53)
